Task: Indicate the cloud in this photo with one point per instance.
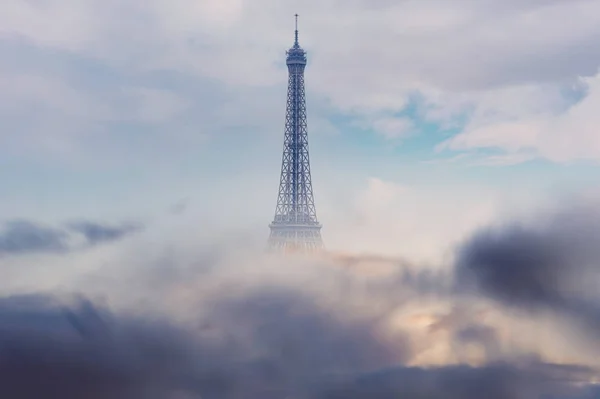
(389, 218)
(270, 342)
(389, 127)
(413, 27)
(424, 59)
(266, 344)
(24, 237)
(497, 381)
(97, 233)
(86, 352)
(220, 321)
(20, 237)
(548, 262)
(558, 133)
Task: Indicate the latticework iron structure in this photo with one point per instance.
(295, 227)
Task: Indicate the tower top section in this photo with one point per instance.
(296, 55)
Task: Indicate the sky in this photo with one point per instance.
(121, 110)
(140, 154)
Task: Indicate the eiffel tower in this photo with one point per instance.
(295, 227)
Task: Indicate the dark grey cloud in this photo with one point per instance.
(266, 344)
(304, 336)
(19, 237)
(98, 233)
(84, 352)
(549, 264)
(269, 344)
(494, 381)
(484, 335)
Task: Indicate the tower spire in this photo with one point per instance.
(296, 44)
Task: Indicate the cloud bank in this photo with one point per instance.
(229, 324)
(269, 345)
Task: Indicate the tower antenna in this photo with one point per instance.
(296, 32)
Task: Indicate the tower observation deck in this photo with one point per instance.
(295, 227)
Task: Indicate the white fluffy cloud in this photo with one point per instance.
(560, 137)
(387, 218)
(463, 58)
